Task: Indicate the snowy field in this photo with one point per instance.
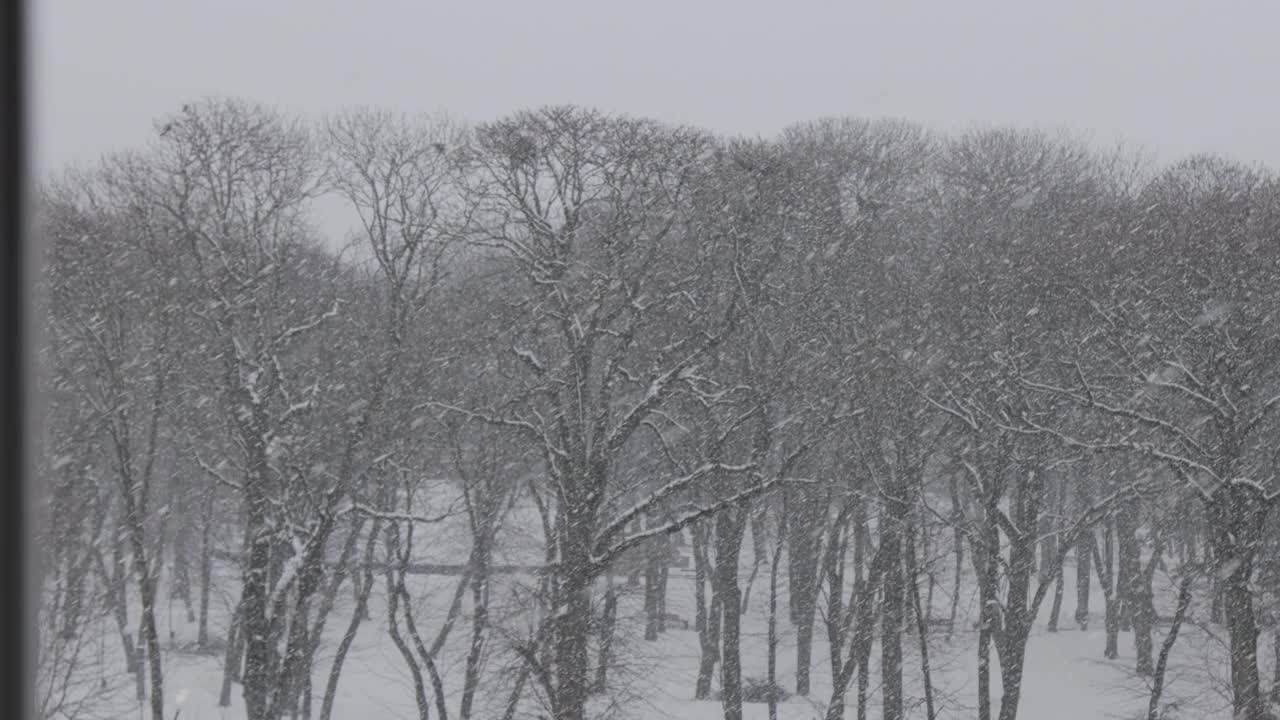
(1066, 677)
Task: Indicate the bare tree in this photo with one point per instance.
(117, 328)
(70, 682)
(1174, 377)
(1005, 190)
(591, 211)
(574, 335)
(227, 186)
(399, 175)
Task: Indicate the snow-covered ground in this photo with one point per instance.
(1066, 677)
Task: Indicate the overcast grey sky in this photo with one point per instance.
(1174, 75)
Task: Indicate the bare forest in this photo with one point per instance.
(592, 416)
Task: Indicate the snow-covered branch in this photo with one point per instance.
(530, 359)
(965, 417)
(1158, 381)
(659, 388)
(999, 515)
(393, 516)
(217, 475)
(295, 330)
(1261, 415)
(601, 559)
(1178, 461)
(1090, 401)
(671, 488)
(524, 426)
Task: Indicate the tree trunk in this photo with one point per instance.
(206, 572)
(607, 628)
(1011, 664)
(1106, 577)
(864, 639)
(182, 565)
(1217, 614)
(957, 525)
(1157, 682)
(255, 624)
(295, 668)
(804, 647)
(306, 697)
(1048, 547)
(427, 658)
(1237, 512)
(147, 631)
(231, 659)
(651, 580)
(1129, 562)
(1056, 610)
(891, 617)
(1085, 543)
(393, 628)
(925, 553)
(1144, 613)
(771, 658)
(1243, 631)
(860, 614)
(759, 552)
(922, 627)
(664, 574)
(148, 636)
(348, 567)
(808, 512)
(140, 678)
(356, 591)
(358, 614)
(833, 572)
(1021, 602)
(987, 626)
(729, 528)
(1012, 637)
(864, 679)
(1048, 563)
(572, 619)
(479, 624)
(78, 569)
(706, 613)
(115, 578)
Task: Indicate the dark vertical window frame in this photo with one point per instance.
(17, 601)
